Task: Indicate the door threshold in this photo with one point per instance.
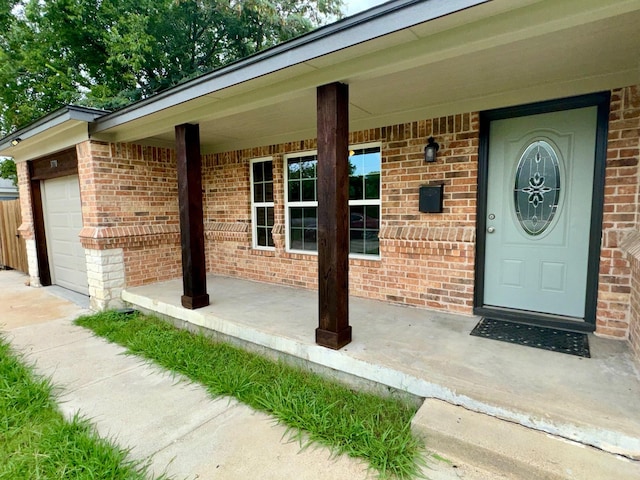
(571, 324)
(78, 298)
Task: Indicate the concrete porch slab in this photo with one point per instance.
(431, 355)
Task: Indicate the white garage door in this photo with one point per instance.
(63, 221)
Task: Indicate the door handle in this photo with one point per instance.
(490, 229)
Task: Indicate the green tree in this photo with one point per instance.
(35, 72)
(8, 170)
(109, 53)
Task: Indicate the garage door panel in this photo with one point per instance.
(63, 222)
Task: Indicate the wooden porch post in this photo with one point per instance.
(194, 269)
(334, 330)
(38, 230)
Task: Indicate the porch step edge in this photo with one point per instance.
(511, 449)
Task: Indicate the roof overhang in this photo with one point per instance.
(403, 61)
(60, 129)
(282, 60)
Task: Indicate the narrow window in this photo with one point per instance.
(262, 203)
(364, 201)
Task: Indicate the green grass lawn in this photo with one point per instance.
(36, 442)
(358, 424)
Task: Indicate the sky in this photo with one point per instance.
(355, 6)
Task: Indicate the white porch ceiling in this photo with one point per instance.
(501, 53)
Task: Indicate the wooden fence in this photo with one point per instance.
(12, 247)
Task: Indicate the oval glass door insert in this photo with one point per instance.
(537, 187)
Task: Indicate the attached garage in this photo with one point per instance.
(63, 222)
(57, 220)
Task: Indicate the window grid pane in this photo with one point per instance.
(263, 203)
(302, 179)
(303, 228)
(364, 187)
(364, 168)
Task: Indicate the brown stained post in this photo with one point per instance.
(334, 330)
(194, 269)
(39, 231)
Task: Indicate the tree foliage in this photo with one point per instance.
(109, 53)
(8, 170)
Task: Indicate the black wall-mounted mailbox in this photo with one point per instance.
(431, 198)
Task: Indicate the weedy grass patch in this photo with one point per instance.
(36, 442)
(314, 409)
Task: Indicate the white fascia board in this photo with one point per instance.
(374, 23)
(69, 113)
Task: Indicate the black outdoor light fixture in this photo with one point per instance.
(15, 141)
(431, 150)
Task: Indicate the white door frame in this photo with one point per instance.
(601, 100)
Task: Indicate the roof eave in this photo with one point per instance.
(54, 119)
(368, 25)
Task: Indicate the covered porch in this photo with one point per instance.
(430, 355)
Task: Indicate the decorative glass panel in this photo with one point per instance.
(537, 187)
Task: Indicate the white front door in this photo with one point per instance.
(63, 222)
(538, 215)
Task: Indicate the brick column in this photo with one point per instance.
(26, 227)
(105, 263)
(105, 275)
(621, 207)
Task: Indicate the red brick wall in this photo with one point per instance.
(24, 186)
(631, 246)
(127, 185)
(620, 211)
(130, 200)
(621, 243)
(154, 259)
(634, 326)
(426, 259)
(227, 213)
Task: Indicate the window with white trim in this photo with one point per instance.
(262, 212)
(301, 200)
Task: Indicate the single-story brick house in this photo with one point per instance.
(306, 165)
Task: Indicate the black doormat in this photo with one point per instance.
(573, 343)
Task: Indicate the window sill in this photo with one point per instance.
(355, 259)
(263, 252)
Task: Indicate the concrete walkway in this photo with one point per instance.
(173, 424)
